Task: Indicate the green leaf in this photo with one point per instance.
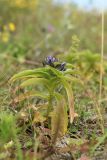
(72, 72)
(29, 94)
(70, 78)
(34, 81)
(59, 120)
(70, 97)
(39, 72)
(55, 71)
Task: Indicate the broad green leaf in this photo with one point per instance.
(30, 73)
(34, 81)
(22, 74)
(68, 89)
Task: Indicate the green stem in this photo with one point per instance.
(49, 104)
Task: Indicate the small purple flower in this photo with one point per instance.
(50, 61)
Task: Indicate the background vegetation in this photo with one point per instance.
(30, 30)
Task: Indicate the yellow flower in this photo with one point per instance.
(12, 27)
(5, 37)
(31, 4)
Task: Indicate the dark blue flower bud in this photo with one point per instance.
(51, 62)
(63, 66)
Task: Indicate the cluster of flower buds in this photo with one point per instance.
(55, 63)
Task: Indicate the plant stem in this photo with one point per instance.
(102, 53)
(49, 104)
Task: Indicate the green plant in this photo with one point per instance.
(8, 133)
(88, 64)
(52, 85)
(7, 127)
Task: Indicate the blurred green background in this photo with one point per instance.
(32, 29)
(35, 28)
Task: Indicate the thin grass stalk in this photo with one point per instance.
(101, 68)
(102, 54)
